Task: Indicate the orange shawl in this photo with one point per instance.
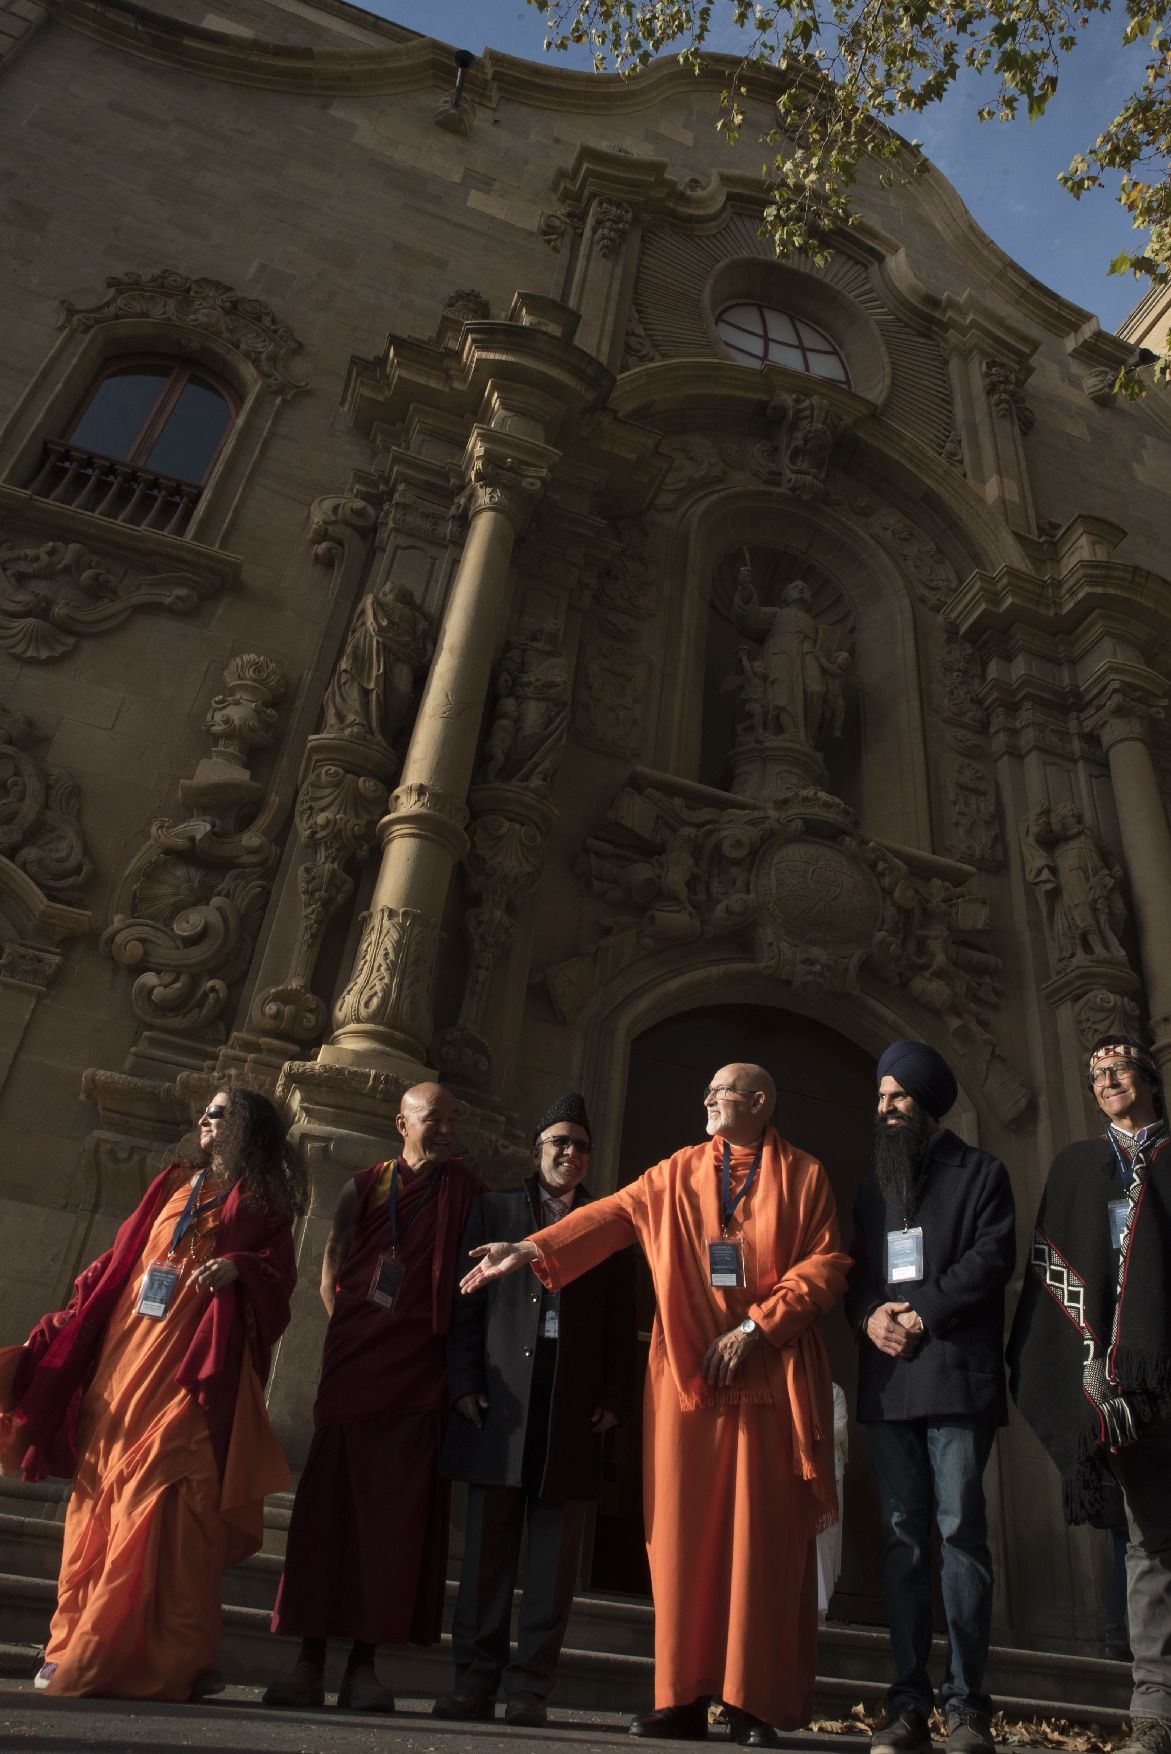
(794, 1272)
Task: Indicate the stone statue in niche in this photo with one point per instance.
(1077, 886)
(792, 688)
(531, 721)
(372, 691)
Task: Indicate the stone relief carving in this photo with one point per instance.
(531, 718)
(467, 305)
(804, 429)
(1077, 887)
(637, 346)
(817, 901)
(372, 690)
(186, 910)
(1103, 1012)
(339, 520)
(393, 972)
(501, 484)
(40, 814)
(971, 791)
(1005, 390)
(961, 676)
(630, 583)
(609, 222)
(613, 689)
(246, 325)
(58, 592)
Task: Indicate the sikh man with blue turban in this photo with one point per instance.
(933, 1249)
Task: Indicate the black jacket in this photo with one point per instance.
(968, 1219)
(492, 1343)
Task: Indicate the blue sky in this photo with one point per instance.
(1006, 174)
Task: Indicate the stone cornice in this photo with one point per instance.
(28, 512)
(1096, 597)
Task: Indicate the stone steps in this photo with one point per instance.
(607, 1661)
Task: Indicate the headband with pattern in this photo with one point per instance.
(1126, 1050)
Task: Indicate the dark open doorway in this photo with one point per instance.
(826, 1105)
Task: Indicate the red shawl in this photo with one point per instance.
(61, 1353)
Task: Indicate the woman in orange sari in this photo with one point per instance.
(146, 1391)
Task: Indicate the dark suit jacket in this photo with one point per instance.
(493, 1341)
(969, 1240)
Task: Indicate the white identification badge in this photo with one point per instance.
(388, 1276)
(1117, 1212)
(157, 1291)
(904, 1256)
(725, 1264)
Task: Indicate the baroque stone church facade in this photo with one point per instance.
(645, 654)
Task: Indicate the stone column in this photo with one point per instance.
(384, 1016)
(1121, 717)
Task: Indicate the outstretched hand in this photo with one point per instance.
(495, 1260)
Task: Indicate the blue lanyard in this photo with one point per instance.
(392, 1201)
(191, 1211)
(728, 1205)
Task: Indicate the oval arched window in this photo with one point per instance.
(142, 444)
(757, 334)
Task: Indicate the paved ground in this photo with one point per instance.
(237, 1723)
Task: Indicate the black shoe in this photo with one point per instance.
(525, 1713)
(902, 1731)
(680, 1723)
(465, 1705)
(969, 1732)
(749, 1731)
(302, 1689)
(1148, 1735)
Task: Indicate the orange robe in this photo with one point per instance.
(150, 1525)
(737, 1482)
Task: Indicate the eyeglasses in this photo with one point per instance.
(1118, 1069)
(724, 1090)
(214, 1112)
(562, 1142)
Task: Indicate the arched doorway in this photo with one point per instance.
(826, 1105)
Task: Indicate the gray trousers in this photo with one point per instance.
(1143, 1470)
(483, 1609)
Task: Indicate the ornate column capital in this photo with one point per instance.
(505, 474)
(1121, 702)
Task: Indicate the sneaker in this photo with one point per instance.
(1148, 1735)
(970, 1732)
(44, 1675)
(902, 1731)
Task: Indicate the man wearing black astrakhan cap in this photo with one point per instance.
(1090, 1352)
(534, 1377)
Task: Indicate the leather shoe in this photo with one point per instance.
(681, 1723)
(749, 1731)
(527, 1714)
(361, 1690)
(302, 1690)
(465, 1705)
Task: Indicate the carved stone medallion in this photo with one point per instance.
(808, 892)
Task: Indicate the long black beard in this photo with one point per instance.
(898, 1154)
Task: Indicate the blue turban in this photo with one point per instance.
(923, 1074)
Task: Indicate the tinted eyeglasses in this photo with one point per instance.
(215, 1111)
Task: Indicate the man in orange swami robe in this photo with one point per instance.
(738, 1474)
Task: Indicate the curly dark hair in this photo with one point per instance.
(254, 1151)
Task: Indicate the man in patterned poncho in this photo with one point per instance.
(1090, 1351)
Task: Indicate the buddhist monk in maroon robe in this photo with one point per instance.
(367, 1548)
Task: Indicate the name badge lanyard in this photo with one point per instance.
(728, 1205)
(160, 1280)
(392, 1205)
(192, 1212)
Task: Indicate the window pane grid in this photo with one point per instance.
(761, 333)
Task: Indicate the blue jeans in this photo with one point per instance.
(916, 1462)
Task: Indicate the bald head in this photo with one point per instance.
(739, 1101)
(426, 1124)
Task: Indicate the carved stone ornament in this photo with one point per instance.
(338, 521)
(815, 900)
(1077, 887)
(1119, 714)
(1005, 391)
(40, 810)
(554, 228)
(975, 831)
(629, 583)
(1103, 1012)
(417, 797)
(790, 682)
(187, 909)
(505, 858)
(503, 484)
(238, 722)
(393, 974)
(805, 429)
(613, 689)
(637, 346)
(466, 306)
(961, 676)
(609, 222)
(531, 719)
(54, 594)
(372, 692)
(245, 325)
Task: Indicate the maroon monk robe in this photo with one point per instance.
(367, 1548)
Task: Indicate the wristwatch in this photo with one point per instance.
(748, 1326)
